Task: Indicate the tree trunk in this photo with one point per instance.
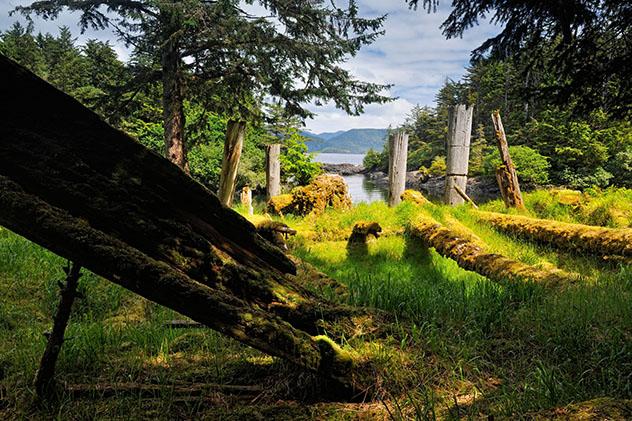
(99, 198)
(398, 154)
(233, 143)
(246, 199)
(599, 241)
(469, 255)
(458, 151)
(506, 173)
(273, 170)
(172, 102)
(46, 371)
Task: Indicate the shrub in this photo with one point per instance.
(438, 166)
(530, 165)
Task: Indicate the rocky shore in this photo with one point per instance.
(480, 189)
(342, 169)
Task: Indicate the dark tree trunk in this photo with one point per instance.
(172, 101)
(93, 195)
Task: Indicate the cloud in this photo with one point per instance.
(413, 55)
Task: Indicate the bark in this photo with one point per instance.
(506, 173)
(273, 171)
(233, 143)
(398, 153)
(93, 195)
(46, 371)
(576, 237)
(459, 134)
(172, 102)
(471, 256)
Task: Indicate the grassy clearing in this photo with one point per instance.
(461, 347)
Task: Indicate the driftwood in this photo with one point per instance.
(599, 241)
(88, 192)
(471, 256)
(276, 232)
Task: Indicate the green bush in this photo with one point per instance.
(297, 167)
(438, 167)
(530, 165)
(372, 160)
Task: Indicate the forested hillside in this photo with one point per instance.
(356, 141)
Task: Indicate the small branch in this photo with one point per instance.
(465, 196)
(46, 371)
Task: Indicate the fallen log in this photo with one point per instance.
(470, 256)
(583, 238)
(90, 193)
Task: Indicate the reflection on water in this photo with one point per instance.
(361, 188)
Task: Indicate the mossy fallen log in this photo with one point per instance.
(471, 256)
(576, 237)
(88, 192)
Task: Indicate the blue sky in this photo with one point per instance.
(413, 55)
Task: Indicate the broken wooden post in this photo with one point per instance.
(233, 143)
(506, 172)
(398, 152)
(273, 170)
(46, 371)
(459, 133)
(246, 199)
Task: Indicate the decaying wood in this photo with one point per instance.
(398, 154)
(470, 256)
(362, 230)
(273, 171)
(465, 196)
(233, 144)
(459, 134)
(246, 199)
(90, 193)
(276, 232)
(599, 241)
(325, 191)
(506, 172)
(46, 372)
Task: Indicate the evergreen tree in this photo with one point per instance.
(293, 54)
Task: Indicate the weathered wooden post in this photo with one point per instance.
(459, 133)
(273, 170)
(233, 143)
(398, 153)
(246, 199)
(506, 173)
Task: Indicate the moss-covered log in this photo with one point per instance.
(583, 238)
(90, 193)
(471, 256)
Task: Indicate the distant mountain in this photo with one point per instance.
(347, 141)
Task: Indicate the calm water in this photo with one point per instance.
(361, 188)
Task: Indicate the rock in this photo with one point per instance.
(342, 169)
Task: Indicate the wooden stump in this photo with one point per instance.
(233, 143)
(398, 151)
(246, 199)
(273, 171)
(459, 133)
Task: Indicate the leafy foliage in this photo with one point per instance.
(531, 167)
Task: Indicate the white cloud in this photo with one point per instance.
(413, 55)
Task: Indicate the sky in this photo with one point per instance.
(413, 55)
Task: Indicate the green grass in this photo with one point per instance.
(467, 347)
